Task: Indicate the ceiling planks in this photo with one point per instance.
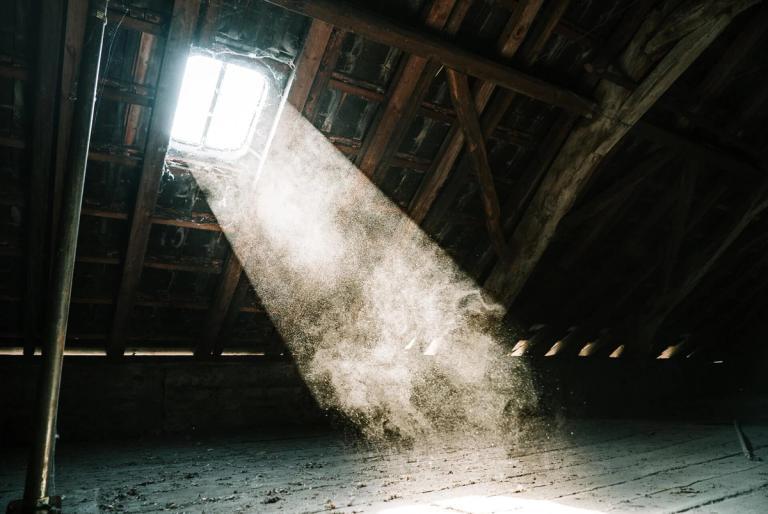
(458, 85)
(222, 300)
(376, 141)
(424, 44)
(508, 44)
(309, 62)
(589, 142)
(181, 31)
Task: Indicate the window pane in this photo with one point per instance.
(238, 103)
(197, 90)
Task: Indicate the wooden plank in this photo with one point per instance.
(324, 72)
(140, 68)
(236, 306)
(418, 42)
(209, 24)
(390, 118)
(555, 12)
(723, 71)
(181, 31)
(699, 265)
(508, 44)
(51, 19)
(222, 300)
(77, 14)
(309, 62)
(518, 25)
(685, 146)
(588, 144)
(458, 86)
(515, 206)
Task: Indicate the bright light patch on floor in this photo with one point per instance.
(218, 105)
(488, 504)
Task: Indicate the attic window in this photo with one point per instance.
(219, 105)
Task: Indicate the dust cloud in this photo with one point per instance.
(383, 325)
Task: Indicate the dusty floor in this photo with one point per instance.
(583, 467)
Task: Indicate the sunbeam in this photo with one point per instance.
(383, 325)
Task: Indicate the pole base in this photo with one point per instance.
(47, 505)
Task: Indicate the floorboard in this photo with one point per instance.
(579, 467)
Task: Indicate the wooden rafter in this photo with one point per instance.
(421, 43)
(719, 75)
(699, 151)
(180, 33)
(236, 306)
(323, 74)
(458, 86)
(508, 44)
(515, 206)
(590, 142)
(555, 12)
(43, 136)
(222, 299)
(699, 265)
(309, 62)
(74, 34)
(376, 141)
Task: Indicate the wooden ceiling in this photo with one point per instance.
(597, 166)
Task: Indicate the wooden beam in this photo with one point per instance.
(236, 306)
(222, 300)
(555, 12)
(508, 44)
(51, 17)
(324, 72)
(140, 68)
(401, 96)
(516, 205)
(679, 221)
(77, 14)
(590, 142)
(418, 42)
(308, 63)
(723, 71)
(700, 264)
(180, 34)
(518, 25)
(458, 85)
(687, 147)
(608, 208)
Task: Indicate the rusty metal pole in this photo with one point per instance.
(36, 497)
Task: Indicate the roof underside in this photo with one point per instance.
(637, 232)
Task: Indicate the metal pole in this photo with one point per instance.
(36, 497)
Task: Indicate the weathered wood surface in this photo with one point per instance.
(50, 29)
(508, 44)
(413, 41)
(458, 86)
(181, 32)
(308, 63)
(222, 299)
(690, 29)
(391, 118)
(581, 467)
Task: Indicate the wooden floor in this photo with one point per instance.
(582, 467)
